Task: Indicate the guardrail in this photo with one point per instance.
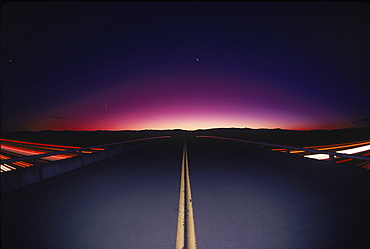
(288, 148)
(105, 146)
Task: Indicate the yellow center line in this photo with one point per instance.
(185, 237)
(192, 242)
(180, 236)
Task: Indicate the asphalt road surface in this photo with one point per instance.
(242, 197)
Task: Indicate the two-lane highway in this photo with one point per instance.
(240, 197)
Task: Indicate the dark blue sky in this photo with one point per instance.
(167, 65)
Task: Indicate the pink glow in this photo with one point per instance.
(189, 102)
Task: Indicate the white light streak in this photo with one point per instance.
(348, 151)
(355, 150)
(318, 156)
(6, 167)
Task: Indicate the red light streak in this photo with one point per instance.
(23, 152)
(51, 145)
(23, 164)
(366, 166)
(3, 157)
(46, 148)
(27, 152)
(16, 149)
(345, 160)
(335, 146)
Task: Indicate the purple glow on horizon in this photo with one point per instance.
(189, 103)
(184, 66)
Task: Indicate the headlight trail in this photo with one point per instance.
(6, 167)
(29, 152)
(327, 147)
(352, 148)
(348, 151)
(355, 150)
(31, 143)
(13, 149)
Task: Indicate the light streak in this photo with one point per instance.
(327, 147)
(6, 167)
(366, 166)
(97, 149)
(318, 156)
(46, 148)
(23, 152)
(3, 157)
(348, 151)
(26, 152)
(321, 156)
(345, 160)
(335, 146)
(20, 148)
(23, 164)
(49, 145)
(355, 150)
(57, 157)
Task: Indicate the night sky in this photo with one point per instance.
(190, 65)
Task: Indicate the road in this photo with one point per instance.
(242, 197)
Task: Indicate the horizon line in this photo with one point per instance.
(190, 130)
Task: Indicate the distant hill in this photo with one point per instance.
(294, 137)
(277, 136)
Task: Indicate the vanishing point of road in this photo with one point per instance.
(202, 194)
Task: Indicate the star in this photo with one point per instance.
(10, 61)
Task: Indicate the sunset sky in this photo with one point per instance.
(189, 65)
